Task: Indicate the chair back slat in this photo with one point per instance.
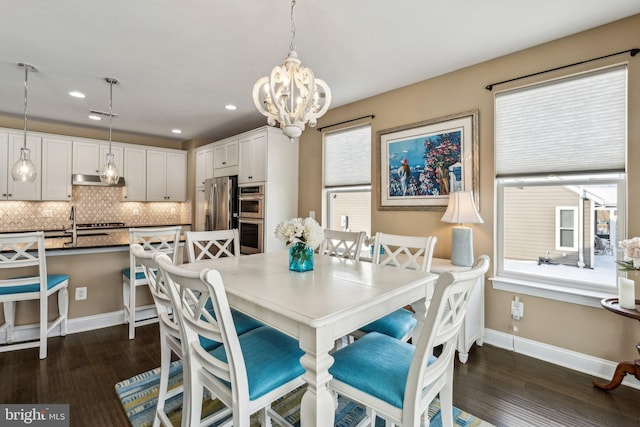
(21, 250)
(157, 239)
(441, 327)
(212, 244)
(410, 252)
(344, 244)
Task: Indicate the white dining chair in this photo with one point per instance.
(402, 252)
(247, 372)
(344, 244)
(170, 338)
(212, 244)
(396, 380)
(159, 239)
(17, 251)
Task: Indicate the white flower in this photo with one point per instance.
(295, 230)
(631, 254)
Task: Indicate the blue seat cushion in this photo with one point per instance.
(377, 365)
(242, 322)
(397, 324)
(53, 280)
(139, 274)
(271, 358)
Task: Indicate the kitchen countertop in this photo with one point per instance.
(58, 242)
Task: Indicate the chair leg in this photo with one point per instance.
(165, 362)
(195, 404)
(9, 308)
(132, 309)
(446, 399)
(125, 299)
(63, 309)
(44, 325)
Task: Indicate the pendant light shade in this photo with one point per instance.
(24, 170)
(109, 173)
(291, 96)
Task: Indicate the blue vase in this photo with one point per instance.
(300, 257)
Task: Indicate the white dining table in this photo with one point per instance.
(319, 306)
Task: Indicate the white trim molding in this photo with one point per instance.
(580, 362)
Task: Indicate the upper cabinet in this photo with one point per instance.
(10, 145)
(56, 169)
(90, 156)
(166, 176)
(225, 157)
(135, 174)
(204, 165)
(253, 158)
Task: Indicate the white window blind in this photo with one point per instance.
(574, 124)
(347, 157)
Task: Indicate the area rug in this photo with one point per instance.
(139, 396)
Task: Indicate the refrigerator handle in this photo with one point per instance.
(207, 216)
(214, 203)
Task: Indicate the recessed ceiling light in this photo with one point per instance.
(176, 130)
(77, 94)
(94, 117)
(231, 107)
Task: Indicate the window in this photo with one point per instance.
(347, 179)
(561, 182)
(566, 233)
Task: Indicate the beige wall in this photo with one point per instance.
(587, 330)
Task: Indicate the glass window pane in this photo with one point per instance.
(566, 218)
(566, 238)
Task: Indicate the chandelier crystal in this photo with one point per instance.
(109, 173)
(291, 96)
(24, 170)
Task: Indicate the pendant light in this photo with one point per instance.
(291, 95)
(24, 170)
(109, 173)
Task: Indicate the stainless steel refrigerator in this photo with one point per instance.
(221, 203)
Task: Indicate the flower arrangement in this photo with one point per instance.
(631, 254)
(298, 230)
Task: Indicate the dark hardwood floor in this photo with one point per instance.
(499, 386)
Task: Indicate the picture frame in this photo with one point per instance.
(422, 163)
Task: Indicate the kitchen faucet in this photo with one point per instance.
(74, 226)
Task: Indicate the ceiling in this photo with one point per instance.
(180, 62)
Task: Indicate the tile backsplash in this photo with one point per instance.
(93, 204)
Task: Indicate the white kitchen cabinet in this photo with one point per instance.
(204, 165)
(90, 156)
(252, 166)
(166, 176)
(225, 158)
(135, 174)
(56, 168)
(472, 329)
(13, 190)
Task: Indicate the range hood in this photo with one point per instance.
(94, 180)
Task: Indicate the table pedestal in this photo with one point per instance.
(623, 368)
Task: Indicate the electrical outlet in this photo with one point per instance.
(81, 293)
(517, 309)
(344, 221)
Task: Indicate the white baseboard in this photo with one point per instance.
(82, 324)
(580, 362)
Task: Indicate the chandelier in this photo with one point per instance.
(24, 170)
(109, 173)
(291, 96)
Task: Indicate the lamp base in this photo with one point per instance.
(462, 246)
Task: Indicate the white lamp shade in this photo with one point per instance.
(462, 209)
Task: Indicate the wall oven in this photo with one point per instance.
(251, 233)
(251, 221)
(251, 200)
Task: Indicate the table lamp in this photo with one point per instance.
(462, 209)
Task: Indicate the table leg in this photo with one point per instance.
(420, 313)
(317, 407)
(622, 369)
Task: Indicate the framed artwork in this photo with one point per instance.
(420, 164)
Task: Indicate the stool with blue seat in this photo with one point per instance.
(17, 251)
(157, 239)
